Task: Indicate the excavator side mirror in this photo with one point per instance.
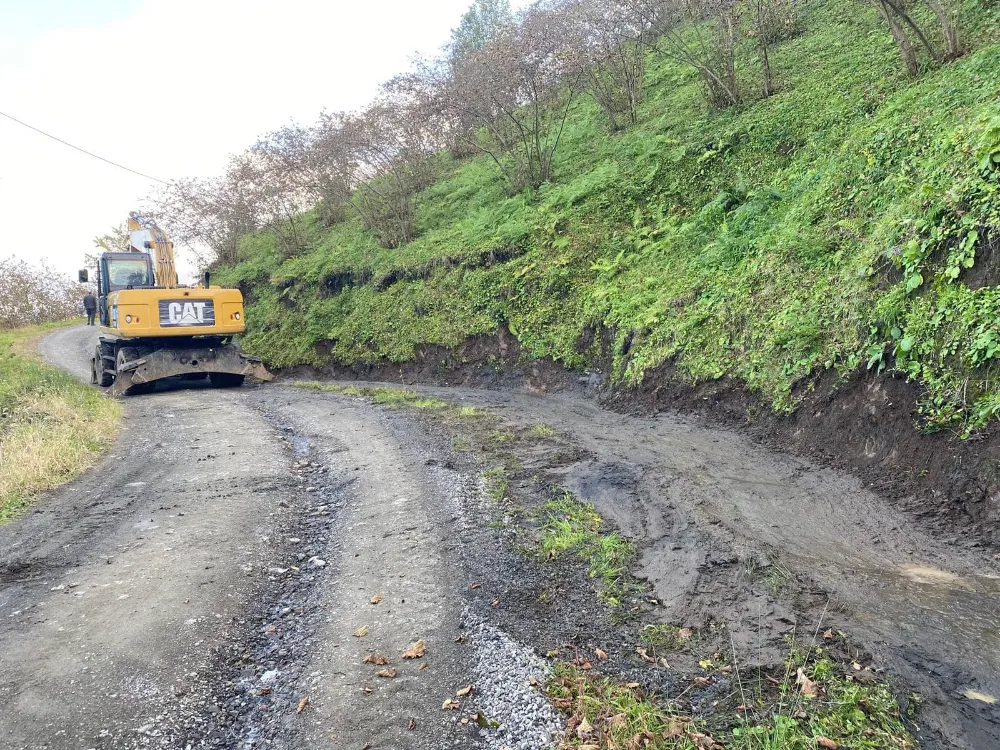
(83, 276)
(207, 279)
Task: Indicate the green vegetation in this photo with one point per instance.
(845, 222)
(606, 714)
(393, 397)
(569, 525)
(52, 427)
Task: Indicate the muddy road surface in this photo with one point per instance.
(236, 570)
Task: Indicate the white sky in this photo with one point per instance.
(171, 88)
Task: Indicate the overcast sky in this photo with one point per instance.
(170, 88)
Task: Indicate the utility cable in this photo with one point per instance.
(83, 150)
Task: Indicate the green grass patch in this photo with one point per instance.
(52, 426)
(541, 430)
(606, 714)
(574, 527)
(394, 397)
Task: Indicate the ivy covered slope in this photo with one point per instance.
(851, 220)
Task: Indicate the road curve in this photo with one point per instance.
(218, 580)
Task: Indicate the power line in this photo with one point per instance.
(83, 150)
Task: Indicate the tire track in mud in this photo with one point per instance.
(200, 596)
(707, 505)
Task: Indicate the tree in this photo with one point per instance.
(33, 294)
(514, 93)
(480, 25)
(897, 16)
(616, 35)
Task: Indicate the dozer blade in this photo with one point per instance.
(167, 363)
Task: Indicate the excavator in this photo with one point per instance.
(153, 328)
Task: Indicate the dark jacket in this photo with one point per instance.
(89, 302)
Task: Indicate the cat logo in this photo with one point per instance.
(187, 313)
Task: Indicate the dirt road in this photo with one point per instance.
(220, 578)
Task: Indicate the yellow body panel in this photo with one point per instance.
(143, 307)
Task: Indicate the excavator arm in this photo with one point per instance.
(145, 237)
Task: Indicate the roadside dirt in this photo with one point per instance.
(313, 503)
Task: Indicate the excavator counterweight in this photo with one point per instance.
(152, 328)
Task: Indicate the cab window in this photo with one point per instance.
(125, 272)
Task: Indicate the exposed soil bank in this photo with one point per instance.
(866, 425)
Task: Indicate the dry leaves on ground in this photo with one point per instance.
(412, 725)
(602, 655)
(376, 658)
(462, 692)
(376, 599)
(807, 687)
(415, 651)
(645, 656)
(826, 743)
(388, 673)
(451, 704)
(361, 632)
(704, 742)
(302, 705)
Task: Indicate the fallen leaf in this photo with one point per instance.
(702, 681)
(376, 599)
(632, 685)
(806, 686)
(674, 730)
(727, 669)
(684, 633)
(375, 658)
(361, 632)
(424, 665)
(415, 651)
(495, 602)
(302, 705)
(475, 585)
(366, 690)
(703, 741)
(645, 656)
(828, 744)
(552, 654)
(412, 725)
(828, 635)
(450, 705)
(584, 728)
(462, 692)
(602, 655)
(533, 681)
(389, 673)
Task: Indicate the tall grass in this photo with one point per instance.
(52, 427)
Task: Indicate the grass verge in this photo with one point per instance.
(52, 426)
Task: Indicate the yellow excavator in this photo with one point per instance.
(153, 328)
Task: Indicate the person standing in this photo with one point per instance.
(90, 307)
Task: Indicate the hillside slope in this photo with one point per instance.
(850, 221)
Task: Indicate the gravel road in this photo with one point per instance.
(220, 578)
